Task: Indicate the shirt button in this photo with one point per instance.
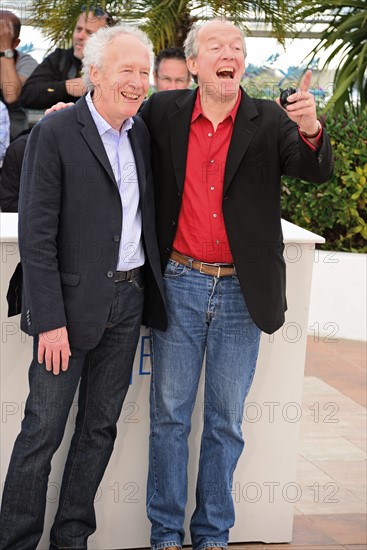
(214, 215)
(212, 188)
(116, 238)
(210, 134)
(216, 242)
(211, 161)
(110, 274)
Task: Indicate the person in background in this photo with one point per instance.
(4, 131)
(15, 68)
(58, 77)
(217, 159)
(170, 70)
(11, 172)
(86, 180)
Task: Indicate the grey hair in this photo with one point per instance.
(96, 44)
(191, 42)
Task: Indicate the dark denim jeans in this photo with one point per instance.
(104, 374)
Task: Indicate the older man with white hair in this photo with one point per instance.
(88, 249)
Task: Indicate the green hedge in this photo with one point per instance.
(336, 209)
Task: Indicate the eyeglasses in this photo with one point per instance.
(170, 80)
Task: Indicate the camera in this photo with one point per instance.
(284, 94)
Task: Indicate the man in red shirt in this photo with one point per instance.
(218, 156)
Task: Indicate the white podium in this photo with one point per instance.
(264, 487)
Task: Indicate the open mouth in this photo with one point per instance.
(226, 72)
(130, 96)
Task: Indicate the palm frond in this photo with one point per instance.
(344, 37)
(165, 21)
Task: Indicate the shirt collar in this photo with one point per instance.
(102, 125)
(198, 110)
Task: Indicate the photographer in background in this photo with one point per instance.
(15, 68)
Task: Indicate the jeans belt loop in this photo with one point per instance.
(202, 272)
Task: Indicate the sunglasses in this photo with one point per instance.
(98, 12)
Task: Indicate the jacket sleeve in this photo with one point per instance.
(39, 209)
(301, 161)
(46, 85)
(10, 175)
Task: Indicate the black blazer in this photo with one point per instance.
(46, 85)
(70, 221)
(265, 145)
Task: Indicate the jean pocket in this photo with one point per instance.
(174, 269)
(138, 282)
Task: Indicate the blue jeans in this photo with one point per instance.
(205, 314)
(104, 374)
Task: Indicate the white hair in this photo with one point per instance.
(96, 44)
(191, 42)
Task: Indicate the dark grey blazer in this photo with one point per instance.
(265, 145)
(70, 221)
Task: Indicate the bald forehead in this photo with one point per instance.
(214, 27)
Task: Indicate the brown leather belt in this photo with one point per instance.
(215, 270)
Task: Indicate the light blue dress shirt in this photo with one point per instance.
(4, 131)
(121, 157)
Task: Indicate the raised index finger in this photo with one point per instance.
(306, 81)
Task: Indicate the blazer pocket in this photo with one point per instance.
(69, 279)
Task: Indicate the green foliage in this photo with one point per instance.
(346, 36)
(336, 209)
(165, 21)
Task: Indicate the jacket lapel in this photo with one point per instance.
(243, 132)
(92, 137)
(139, 160)
(179, 127)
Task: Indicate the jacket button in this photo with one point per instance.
(173, 223)
(116, 238)
(110, 274)
(168, 250)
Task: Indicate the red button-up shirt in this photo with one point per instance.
(201, 233)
